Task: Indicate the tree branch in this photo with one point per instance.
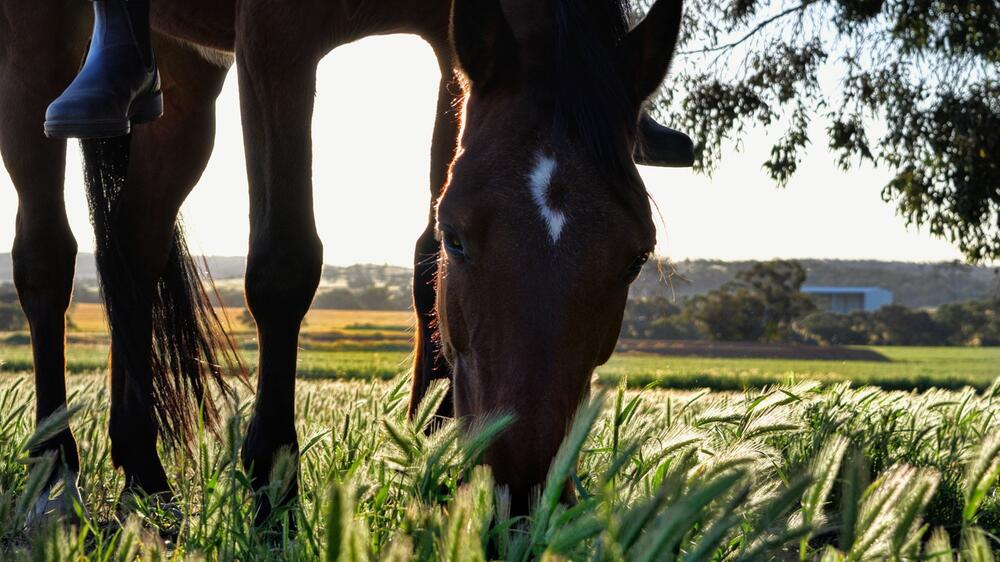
(757, 28)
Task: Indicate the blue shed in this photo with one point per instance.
(845, 300)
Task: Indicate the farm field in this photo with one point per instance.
(89, 318)
(909, 368)
(369, 345)
(801, 472)
(809, 466)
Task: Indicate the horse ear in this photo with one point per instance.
(646, 51)
(483, 41)
(661, 146)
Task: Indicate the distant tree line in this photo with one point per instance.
(974, 323)
(12, 319)
(371, 297)
(368, 298)
(918, 285)
(359, 295)
(764, 304)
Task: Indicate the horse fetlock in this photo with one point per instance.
(144, 473)
(63, 444)
(270, 454)
(272, 462)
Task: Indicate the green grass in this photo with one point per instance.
(909, 367)
(805, 472)
(362, 364)
(79, 358)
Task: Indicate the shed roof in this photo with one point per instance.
(843, 290)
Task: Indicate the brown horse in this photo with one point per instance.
(545, 221)
(544, 213)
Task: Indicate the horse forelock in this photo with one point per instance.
(593, 116)
(592, 104)
(592, 110)
(589, 119)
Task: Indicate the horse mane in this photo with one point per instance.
(592, 105)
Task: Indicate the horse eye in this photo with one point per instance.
(636, 268)
(453, 244)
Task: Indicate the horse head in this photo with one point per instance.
(545, 221)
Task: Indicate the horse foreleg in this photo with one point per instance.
(277, 85)
(34, 67)
(167, 160)
(428, 365)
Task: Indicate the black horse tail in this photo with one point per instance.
(191, 350)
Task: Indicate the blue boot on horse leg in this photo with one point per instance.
(118, 84)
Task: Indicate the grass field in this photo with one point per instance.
(794, 473)
(363, 352)
(376, 344)
(798, 470)
(908, 368)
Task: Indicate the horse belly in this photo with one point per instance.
(208, 23)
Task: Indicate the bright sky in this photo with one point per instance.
(372, 128)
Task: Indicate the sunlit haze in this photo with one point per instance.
(372, 127)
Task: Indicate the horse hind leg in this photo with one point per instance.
(33, 70)
(167, 344)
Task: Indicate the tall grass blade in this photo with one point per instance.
(563, 463)
(938, 548)
(981, 476)
(338, 515)
(40, 474)
(436, 393)
(908, 531)
(975, 546)
(824, 471)
(855, 481)
(635, 519)
(51, 426)
(667, 530)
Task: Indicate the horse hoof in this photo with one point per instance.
(58, 500)
(157, 510)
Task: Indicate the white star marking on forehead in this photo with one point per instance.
(540, 181)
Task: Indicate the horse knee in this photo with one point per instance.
(44, 249)
(282, 279)
(44, 263)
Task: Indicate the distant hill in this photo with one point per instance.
(924, 285)
(912, 284)
(86, 269)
